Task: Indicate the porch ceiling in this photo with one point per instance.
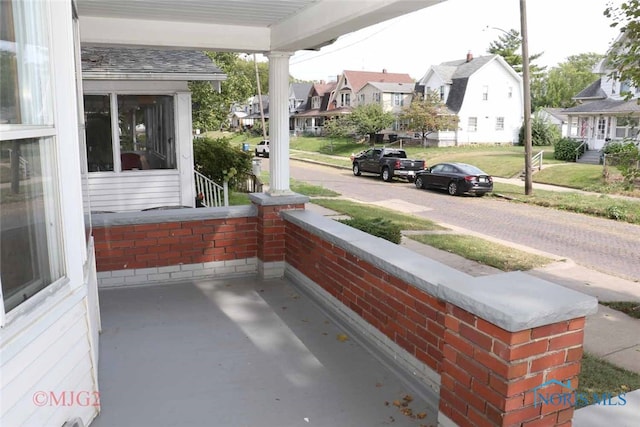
(238, 25)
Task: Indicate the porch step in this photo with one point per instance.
(591, 157)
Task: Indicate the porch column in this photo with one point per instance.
(279, 123)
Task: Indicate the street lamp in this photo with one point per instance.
(528, 180)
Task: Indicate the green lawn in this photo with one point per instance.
(599, 376)
(630, 308)
(574, 175)
(502, 257)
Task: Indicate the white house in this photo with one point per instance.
(556, 117)
(137, 108)
(604, 112)
(50, 319)
(486, 95)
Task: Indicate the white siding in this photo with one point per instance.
(134, 191)
(499, 80)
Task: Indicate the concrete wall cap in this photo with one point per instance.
(514, 301)
(172, 215)
(263, 199)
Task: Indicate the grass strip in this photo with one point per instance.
(597, 376)
(630, 308)
(365, 211)
(502, 257)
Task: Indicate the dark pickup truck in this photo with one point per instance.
(386, 162)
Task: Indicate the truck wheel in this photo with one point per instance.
(257, 154)
(356, 169)
(418, 182)
(453, 188)
(386, 174)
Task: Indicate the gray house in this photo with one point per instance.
(137, 108)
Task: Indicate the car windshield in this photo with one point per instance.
(470, 170)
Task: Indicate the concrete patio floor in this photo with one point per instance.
(236, 353)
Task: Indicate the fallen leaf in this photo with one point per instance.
(407, 411)
(378, 385)
(324, 333)
(342, 337)
(284, 308)
(397, 403)
(407, 398)
(386, 403)
(624, 387)
(421, 415)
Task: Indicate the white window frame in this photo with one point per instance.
(485, 93)
(315, 102)
(499, 123)
(398, 100)
(442, 91)
(472, 124)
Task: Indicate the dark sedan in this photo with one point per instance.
(456, 178)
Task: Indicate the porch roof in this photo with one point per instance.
(241, 26)
(605, 106)
(240, 352)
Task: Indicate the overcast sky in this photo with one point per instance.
(447, 31)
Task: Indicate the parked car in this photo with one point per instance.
(456, 178)
(386, 162)
(262, 149)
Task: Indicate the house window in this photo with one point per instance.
(376, 97)
(510, 92)
(442, 93)
(31, 256)
(499, 123)
(472, 125)
(145, 136)
(602, 128)
(315, 102)
(397, 99)
(362, 98)
(627, 127)
(485, 93)
(345, 99)
(625, 87)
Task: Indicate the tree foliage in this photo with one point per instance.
(558, 87)
(624, 54)
(210, 108)
(338, 127)
(219, 160)
(428, 114)
(625, 155)
(542, 132)
(509, 46)
(370, 119)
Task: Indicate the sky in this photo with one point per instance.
(447, 31)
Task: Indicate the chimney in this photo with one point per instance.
(384, 71)
(469, 56)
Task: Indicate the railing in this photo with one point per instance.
(215, 195)
(248, 184)
(537, 159)
(580, 150)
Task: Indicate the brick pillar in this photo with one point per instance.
(271, 230)
(489, 375)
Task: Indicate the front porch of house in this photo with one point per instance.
(214, 310)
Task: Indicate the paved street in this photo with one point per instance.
(609, 246)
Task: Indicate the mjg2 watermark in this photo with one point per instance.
(66, 398)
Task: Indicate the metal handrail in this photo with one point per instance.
(215, 195)
(578, 150)
(537, 159)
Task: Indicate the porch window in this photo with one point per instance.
(31, 254)
(627, 127)
(144, 137)
(472, 125)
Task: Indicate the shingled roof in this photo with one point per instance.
(393, 87)
(357, 79)
(593, 91)
(108, 63)
(605, 106)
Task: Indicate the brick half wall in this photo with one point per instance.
(491, 341)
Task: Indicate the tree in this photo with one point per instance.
(558, 87)
(338, 127)
(542, 132)
(428, 114)
(219, 160)
(623, 55)
(370, 119)
(509, 46)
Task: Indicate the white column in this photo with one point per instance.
(279, 123)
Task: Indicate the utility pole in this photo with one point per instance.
(528, 180)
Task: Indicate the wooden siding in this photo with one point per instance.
(134, 191)
(42, 359)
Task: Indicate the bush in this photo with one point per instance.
(219, 160)
(565, 149)
(542, 132)
(378, 227)
(625, 156)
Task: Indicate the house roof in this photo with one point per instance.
(556, 113)
(301, 89)
(319, 89)
(393, 87)
(464, 68)
(445, 72)
(593, 91)
(357, 79)
(605, 106)
(109, 63)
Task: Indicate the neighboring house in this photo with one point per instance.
(486, 95)
(137, 109)
(392, 97)
(311, 120)
(556, 117)
(603, 112)
(255, 117)
(349, 84)
(298, 98)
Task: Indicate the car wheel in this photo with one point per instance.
(265, 155)
(356, 169)
(419, 183)
(257, 154)
(386, 174)
(453, 188)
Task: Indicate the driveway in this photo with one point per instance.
(605, 245)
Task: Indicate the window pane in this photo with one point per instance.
(30, 255)
(97, 116)
(25, 97)
(146, 130)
